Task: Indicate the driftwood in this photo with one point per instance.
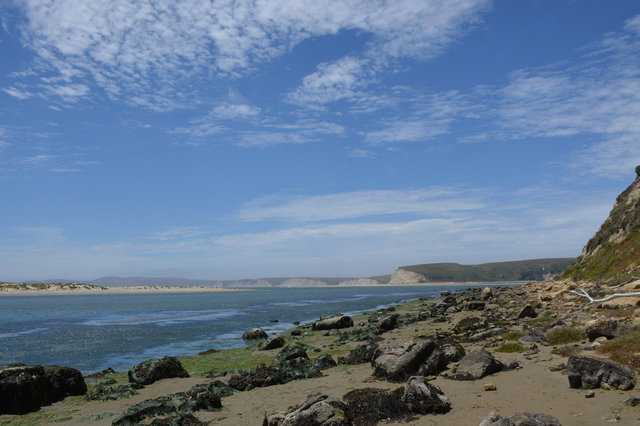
(625, 283)
(581, 292)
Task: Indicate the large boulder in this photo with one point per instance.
(360, 354)
(421, 397)
(367, 406)
(260, 376)
(388, 323)
(476, 365)
(273, 343)
(335, 322)
(152, 370)
(197, 398)
(255, 334)
(398, 360)
(592, 372)
(607, 327)
(25, 389)
(316, 410)
(527, 312)
(520, 419)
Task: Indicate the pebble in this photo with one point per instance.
(490, 387)
(590, 394)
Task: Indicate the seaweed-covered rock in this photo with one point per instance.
(255, 334)
(273, 343)
(260, 376)
(335, 322)
(103, 392)
(476, 365)
(470, 324)
(397, 360)
(360, 354)
(316, 410)
(152, 370)
(421, 397)
(324, 361)
(298, 368)
(25, 389)
(388, 323)
(520, 419)
(195, 399)
(367, 406)
(291, 351)
(592, 372)
(474, 305)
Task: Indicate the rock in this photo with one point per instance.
(261, 376)
(421, 397)
(255, 334)
(486, 293)
(592, 372)
(520, 419)
(367, 406)
(453, 352)
(335, 322)
(291, 351)
(590, 394)
(611, 417)
(489, 387)
(388, 323)
(435, 363)
(111, 393)
(316, 410)
(152, 370)
(476, 365)
(470, 324)
(360, 354)
(296, 332)
(100, 374)
(209, 352)
(398, 360)
(273, 343)
(324, 362)
(527, 312)
(25, 389)
(631, 402)
(195, 399)
(608, 328)
(534, 336)
(293, 363)
(474, 305)
(180, 420)
(484, 335)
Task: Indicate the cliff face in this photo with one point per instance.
(402, 276)
(612, 255)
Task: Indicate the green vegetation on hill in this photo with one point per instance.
(612, 255)
(520, 270)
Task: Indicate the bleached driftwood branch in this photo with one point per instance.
(625, 283)
(581, 292)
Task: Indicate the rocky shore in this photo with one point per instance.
(533, 354)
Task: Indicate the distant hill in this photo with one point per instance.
(520, 270)
(612, 255)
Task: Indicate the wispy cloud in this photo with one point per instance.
(140, 52)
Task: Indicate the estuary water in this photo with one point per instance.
(94, 332)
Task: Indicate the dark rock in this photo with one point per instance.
(296, 323)
(152, 370)
(181, 420)
(296, 332)
(434, 364)
(360, 354)
(421, 397)
(260, 376)
(195, 399)
(534, 336)
(527, 312)
(101, 374)
(520, 419)
(336, 322)
(397, 360)
(255, 334)
(631, 402)
(274, 343)
(608, 328)
(453, 352)
(470, 324)
(476, 365)
(324, 362)
(388, 323)
(104, 392)
(298, 368)
(316, 410)
(25, 389)
(209, 352)
(474, 306)
(368, 406)
(591, 372)
(291, 351)
(361, 334)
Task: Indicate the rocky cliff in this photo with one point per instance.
(612, 255)
(402, 276)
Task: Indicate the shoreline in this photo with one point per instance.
(83, 291)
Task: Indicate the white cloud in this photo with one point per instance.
(17, 93)
(431, 201)
(230, 111)
(141, 51)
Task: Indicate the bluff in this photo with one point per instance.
(612, 255)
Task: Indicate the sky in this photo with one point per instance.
(235, 139)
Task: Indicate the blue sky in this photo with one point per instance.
(241, 139)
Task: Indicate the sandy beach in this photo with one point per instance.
(54, 291)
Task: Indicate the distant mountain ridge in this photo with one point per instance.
(519, 270)
(612, 255)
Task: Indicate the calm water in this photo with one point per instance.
(95, 332)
